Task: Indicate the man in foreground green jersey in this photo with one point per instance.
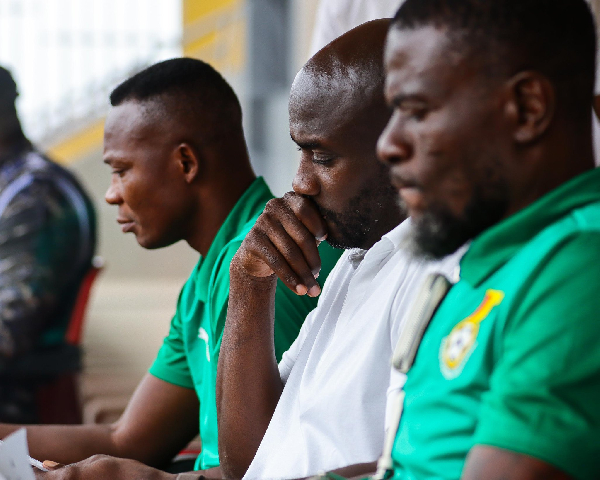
(180, 171)
(490, 141)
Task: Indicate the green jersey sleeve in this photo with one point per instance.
(171, 364)
(544, 398)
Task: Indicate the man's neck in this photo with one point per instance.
(552, 171)
(213, 212)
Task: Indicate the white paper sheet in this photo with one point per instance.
(14, 458)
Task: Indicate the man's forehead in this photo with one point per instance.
(420, 54)
(129, 120)
(326, 97)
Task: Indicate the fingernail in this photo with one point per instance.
(322, 238)
(314, 291)
(50, 464)
(301, 289)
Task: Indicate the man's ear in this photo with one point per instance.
(188, 161)
(531, 105)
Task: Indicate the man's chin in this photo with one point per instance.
(440, 233)
(149, 243)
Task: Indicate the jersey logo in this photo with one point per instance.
(203, 335)
(460, 343)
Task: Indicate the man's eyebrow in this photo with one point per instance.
(401, 98)
(306, 145)
(111, 161)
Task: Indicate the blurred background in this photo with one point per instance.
(66, 56)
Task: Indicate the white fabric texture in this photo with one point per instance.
(595, 6)
(336, 17)
(333, 407)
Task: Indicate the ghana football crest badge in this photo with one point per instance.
(458, 345)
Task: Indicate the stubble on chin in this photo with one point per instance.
(438, 232)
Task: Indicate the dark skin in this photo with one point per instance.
(336, 130)
(453, 129)
(168, 186)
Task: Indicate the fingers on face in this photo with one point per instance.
(285, 259)
(287, 245)
(306, 211)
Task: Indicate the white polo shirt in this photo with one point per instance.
(332, 410)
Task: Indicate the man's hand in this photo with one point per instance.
(284, 241)
(103, 463)
(101, 467)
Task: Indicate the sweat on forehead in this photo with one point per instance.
(349, 70)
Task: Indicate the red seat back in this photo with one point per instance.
(59, 401)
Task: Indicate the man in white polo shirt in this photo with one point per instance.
(324, 405)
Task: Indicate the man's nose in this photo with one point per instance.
(393, 146)
(306, 182)
(113, 194)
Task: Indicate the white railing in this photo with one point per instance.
(66, 55)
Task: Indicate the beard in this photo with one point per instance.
(353, 228)
(439, 232)
(365, 215)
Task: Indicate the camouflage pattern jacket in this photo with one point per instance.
(47, 241)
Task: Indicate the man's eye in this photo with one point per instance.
(419, 113)
(414, 111)
(322, 159)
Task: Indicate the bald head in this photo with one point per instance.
(346, 77)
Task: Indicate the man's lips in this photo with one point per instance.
(126, 224)
(409, 191)
(401, 183)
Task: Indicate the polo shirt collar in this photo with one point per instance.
(247, 207)
(494, 247)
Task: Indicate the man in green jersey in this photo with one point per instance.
(490, 142)
(180, 171)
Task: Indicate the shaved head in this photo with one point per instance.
(347, 76)
(337, 112)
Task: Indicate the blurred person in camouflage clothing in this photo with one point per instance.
(47, 241)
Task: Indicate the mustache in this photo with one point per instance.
(404, 181)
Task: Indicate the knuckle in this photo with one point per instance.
(290, 197)
(272, 259)
(273, 205)
(98, 458)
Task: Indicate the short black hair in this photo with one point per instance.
(554, 37)
(8, 88)
(193, 85)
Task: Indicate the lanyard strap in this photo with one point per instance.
(434, 289)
